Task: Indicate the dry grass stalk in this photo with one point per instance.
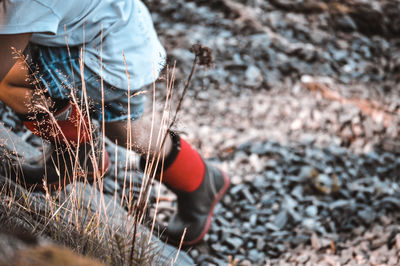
(79, 215)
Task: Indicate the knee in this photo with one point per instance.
(137, 135)
(122, 131)
(18, 76)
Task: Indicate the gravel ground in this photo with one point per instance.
(302, 109)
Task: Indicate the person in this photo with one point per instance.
(57, 55)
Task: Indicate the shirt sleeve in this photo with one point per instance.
(23, 16)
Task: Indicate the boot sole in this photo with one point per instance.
(210, 214)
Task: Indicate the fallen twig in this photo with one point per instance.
(371, 108)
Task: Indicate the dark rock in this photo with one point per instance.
(281, 219)
(255, 256)
(250, 245)
(260, 243)
(259, 148)
(388, 202)
(367, 216)
(227, 200)
(346, 23)
(229, 215)
(245, 191)
(234, 190)
(295, 216)
(253, 77)
(194, 253)
(222, 221)
(234, 242)
(299, 239)
(297, 192)
(216, 247)
(311, 211)
(253, 219)
(281, 248)
(340, 204)
(306, 173)
(271, 227)
(213, 238)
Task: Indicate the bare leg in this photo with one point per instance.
(16, 91)
(140, 132)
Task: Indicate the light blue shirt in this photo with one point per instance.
(113, 32)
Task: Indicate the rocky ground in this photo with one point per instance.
(302, 109)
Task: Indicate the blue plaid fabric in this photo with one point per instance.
(57, 70)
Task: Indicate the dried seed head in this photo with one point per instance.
(204, 55)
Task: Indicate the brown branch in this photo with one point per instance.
(371, 108)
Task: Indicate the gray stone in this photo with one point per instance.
(311, 211)
(234, 242)
(281, 219)
(253, 76)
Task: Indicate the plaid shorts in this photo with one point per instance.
(58, 72)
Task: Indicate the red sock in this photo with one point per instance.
(186, 171)
(71, 126)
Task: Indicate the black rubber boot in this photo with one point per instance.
(72, 155)
(61, 165)
(195, 209)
